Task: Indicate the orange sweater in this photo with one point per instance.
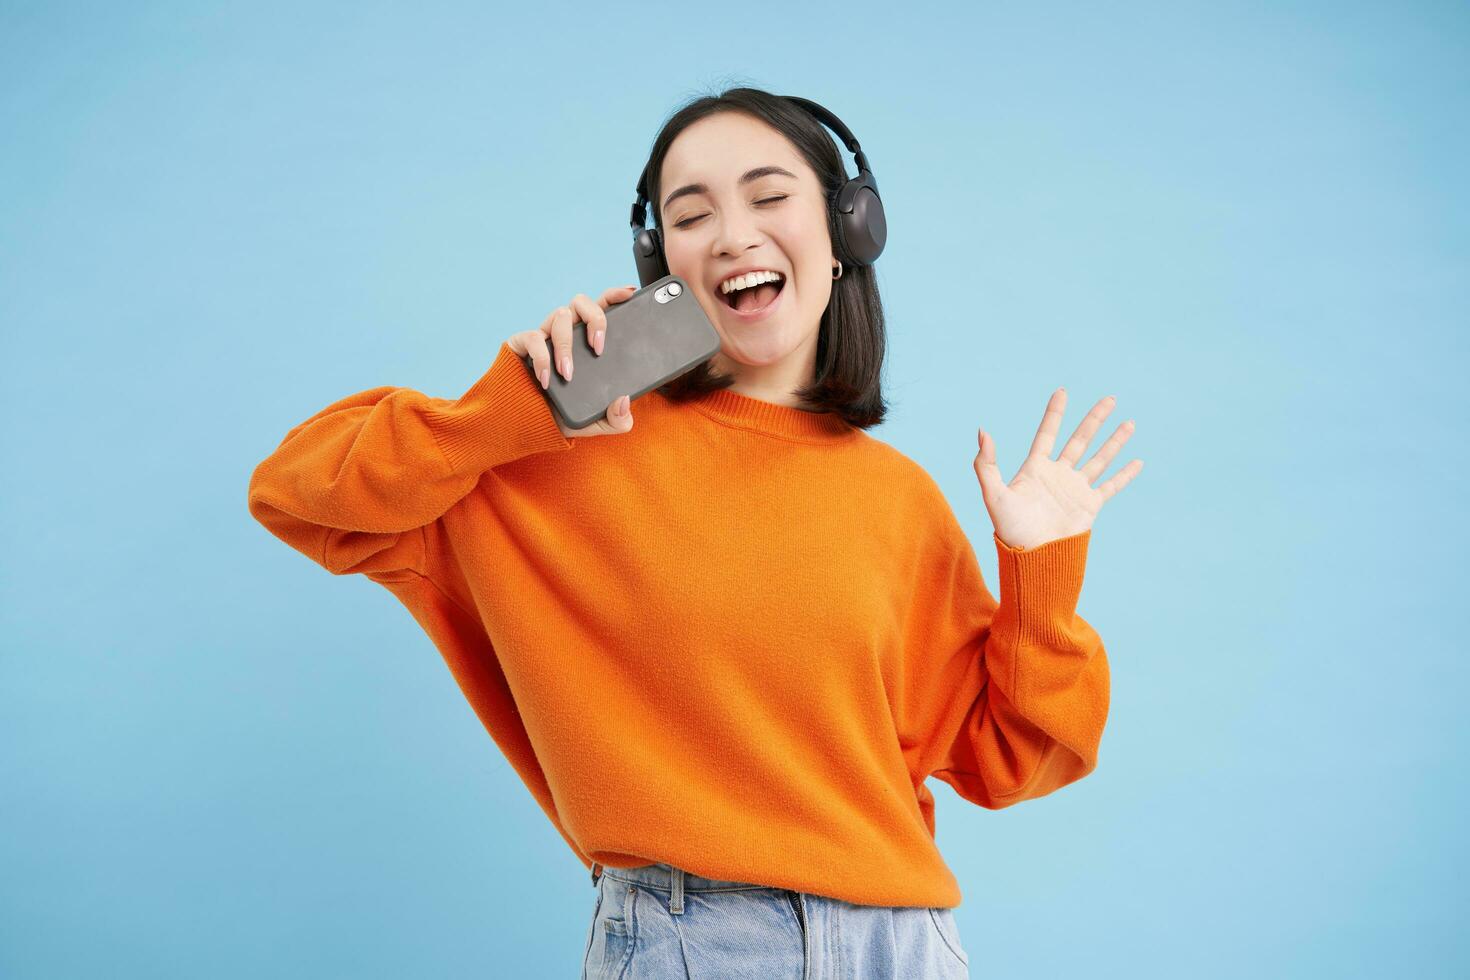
(736, 639)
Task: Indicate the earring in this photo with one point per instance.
(837, 274)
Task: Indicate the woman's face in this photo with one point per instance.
(776, 221)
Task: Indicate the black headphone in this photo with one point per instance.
(861, 227)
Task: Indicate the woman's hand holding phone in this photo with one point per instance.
(558, 327)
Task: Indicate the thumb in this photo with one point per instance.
(986, 469)
(620, 414)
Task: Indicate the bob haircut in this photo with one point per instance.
(851, 339)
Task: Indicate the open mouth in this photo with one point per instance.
(754, 299)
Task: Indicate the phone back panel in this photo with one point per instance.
(652, 337)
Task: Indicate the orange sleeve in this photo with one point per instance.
(1009, 698)
(354, 486)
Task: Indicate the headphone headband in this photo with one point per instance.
(856, 209)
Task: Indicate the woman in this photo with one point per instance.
(725, 648)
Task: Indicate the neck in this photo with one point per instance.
(775, 383)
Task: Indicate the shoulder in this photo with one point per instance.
(909, 491)
(900, 469)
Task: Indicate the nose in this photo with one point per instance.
(736, 234)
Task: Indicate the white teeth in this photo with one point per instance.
(748, 280)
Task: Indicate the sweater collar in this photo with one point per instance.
(741, 411)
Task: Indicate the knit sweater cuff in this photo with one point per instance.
(502, 417)
(1042, 586)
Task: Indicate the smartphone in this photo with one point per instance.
(652, 337)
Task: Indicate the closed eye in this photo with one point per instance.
(689, 221)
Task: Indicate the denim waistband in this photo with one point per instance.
(661, 875)
(674, 880)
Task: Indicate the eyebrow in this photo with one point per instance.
(750, 175)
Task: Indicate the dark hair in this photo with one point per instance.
(851, 340)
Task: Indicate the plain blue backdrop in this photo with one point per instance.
(1247, 221)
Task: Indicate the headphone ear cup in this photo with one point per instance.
(662, 269)
(648, 256)
(861, 223)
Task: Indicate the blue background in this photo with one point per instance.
(1247, 222)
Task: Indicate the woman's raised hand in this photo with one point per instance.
(558, 327)
(1050, 498)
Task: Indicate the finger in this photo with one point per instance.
(617, 418)
(620, 414)
(593, 316)
(1051, 421)
(1120, 479)
(1086, 429)
(535, 344)
(1107, 451)
(987, 471)
(561, 340)
(617, 294)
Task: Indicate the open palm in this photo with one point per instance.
(1049, 499)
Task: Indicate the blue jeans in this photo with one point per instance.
(658, 921)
